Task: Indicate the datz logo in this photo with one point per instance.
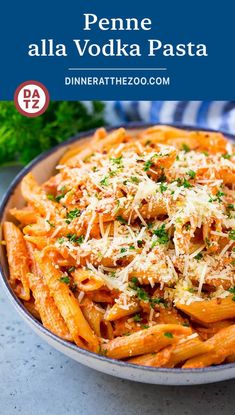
(31, 98)
(116, 47)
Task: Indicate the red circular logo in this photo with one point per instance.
(31, 98)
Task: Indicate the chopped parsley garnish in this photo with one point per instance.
(131, 247)
(50, 223)
(122, 250)
(72, 237)
(231, 235)
(218, 197)
(162, 235)
(149, 162)
(60, 240)
(185, 147)
(135, 179)
(121, 220)
(232, 291)
(191, 174)
(163, 187)
(145, 326)
(185, 183)
(207, 241)
(227, 156)
(230, 206)
(219, 194)
(142, 294)
(71, 269)
(112, 173)
(169, 335)
(157, 301)
(61, 195)
(65, 279)
(105, 181)
(147, 165)
(72, 215)
(117, 160)
(198, 256)
(137, 318)
(50, 197)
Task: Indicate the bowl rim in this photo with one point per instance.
(31, 319)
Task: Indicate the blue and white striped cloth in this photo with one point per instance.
(218, 115)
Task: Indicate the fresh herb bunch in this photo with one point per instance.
(22, 138)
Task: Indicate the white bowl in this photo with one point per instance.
(42, 168)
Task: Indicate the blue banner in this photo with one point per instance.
(122, 50)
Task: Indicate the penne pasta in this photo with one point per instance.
(210, 311)
(129, 249)
(68, 305)
(118, 311)
(223, 344)
(17, 259)
(44, 303)
(149, 340)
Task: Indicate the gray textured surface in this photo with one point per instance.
(36, 379)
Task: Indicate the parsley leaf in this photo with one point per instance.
(232, 291)
(71, 269)
(117, 160)
(137, 318)
(65, 279)
(122, 250)
(198, 256)
(169, 335)
(50, 197)
(72, 215)
(50, 223)
(185, 183)
(135, 179)
(192, 174)
(162, 235)
(121, 220)
(158, 300)
(60, 240)
(163, 187)
(74, 238)
(105, 181)
(185, 148)
(24, 138)
(231, 235)
(147, 165)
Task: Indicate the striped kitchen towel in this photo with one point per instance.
(218, 115)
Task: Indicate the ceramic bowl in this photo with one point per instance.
(42, 168)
